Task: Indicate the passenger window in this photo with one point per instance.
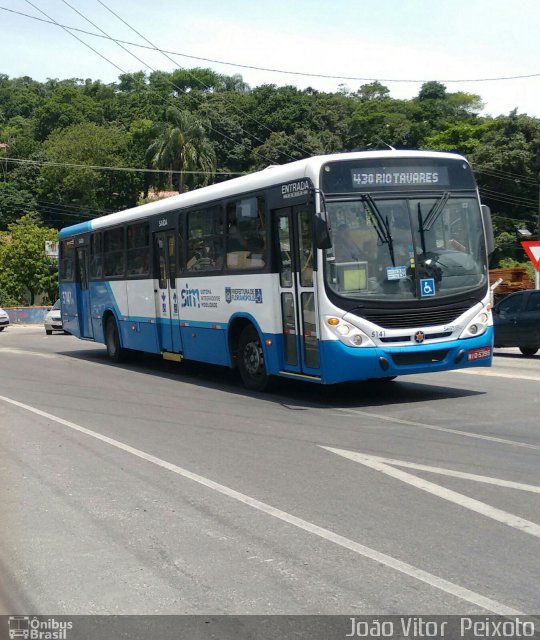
(67, 260)
(96, 257)
(138, 250)
(113, 253)
(205, 240)
(246, 234)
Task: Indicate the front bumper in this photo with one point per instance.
(345, 364)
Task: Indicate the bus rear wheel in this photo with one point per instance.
(115, 352)
(251, 361)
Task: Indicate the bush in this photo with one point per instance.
(7, 300)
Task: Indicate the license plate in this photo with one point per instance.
(479, 354)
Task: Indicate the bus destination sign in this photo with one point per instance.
(404, 176)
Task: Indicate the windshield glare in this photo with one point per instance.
(405, 248)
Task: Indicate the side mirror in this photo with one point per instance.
(488, 226)
(322, 234)
(321, 230)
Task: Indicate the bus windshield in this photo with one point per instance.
(405, 248)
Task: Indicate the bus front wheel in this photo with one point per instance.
(115, 352)
(251, 361)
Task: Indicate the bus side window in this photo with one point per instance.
(113, 252)
(67, 260)
(205, 240)
(246, 234)
(138, 249)
(96, 257)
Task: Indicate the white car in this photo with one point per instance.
(4, 319)
(53, 319)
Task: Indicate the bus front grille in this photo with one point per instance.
(410, 318)
(419, 357)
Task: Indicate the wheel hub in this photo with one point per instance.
(253, 359)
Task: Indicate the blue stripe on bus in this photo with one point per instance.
(208, 342)
(83, 227)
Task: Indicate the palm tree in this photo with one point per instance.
(183, 147)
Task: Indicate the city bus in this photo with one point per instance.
(337, 268)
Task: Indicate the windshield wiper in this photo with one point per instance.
(434, 212)
(381, 225)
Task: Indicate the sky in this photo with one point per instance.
(392, 41)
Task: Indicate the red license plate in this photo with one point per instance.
(479, 354)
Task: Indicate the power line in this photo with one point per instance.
(510, 195)
(237, 109)
(147, 65)
(506, 200)
(170, 82)
(128, 169)
(77, 38)
(74, 206)
(506, 175)
(270, 70)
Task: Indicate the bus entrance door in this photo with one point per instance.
(294, 233)
(83, 299)
(166, 296)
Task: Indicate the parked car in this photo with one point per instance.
(516, 320)
(4, 319)
(53, 319)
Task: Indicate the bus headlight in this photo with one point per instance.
(477, 326)
(348, 334)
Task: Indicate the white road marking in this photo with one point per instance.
(495, 374)
(455, 474)
(383, 465)
(27, 352)
(388, 561)
(467, 434)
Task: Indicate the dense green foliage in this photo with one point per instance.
(24, 266)
(63, 142)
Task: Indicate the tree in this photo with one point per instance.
(281, 148)
(504, 165)
(95, 189)
(25, 269)
(14, 203)
(379, 122)
(68, 105)
(373, 91)
(183, 147)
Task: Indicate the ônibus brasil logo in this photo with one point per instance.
(34, 628)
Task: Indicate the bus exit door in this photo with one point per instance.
(166, 296)
(86, 329)
(293, 228)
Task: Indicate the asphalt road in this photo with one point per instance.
(153, 487)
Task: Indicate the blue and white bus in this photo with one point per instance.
(335, 268)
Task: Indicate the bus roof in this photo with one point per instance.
(272, 175)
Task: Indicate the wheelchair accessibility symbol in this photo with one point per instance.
(427, 287)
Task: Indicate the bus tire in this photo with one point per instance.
(115, 352)
(251, 361)
(528, 351)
